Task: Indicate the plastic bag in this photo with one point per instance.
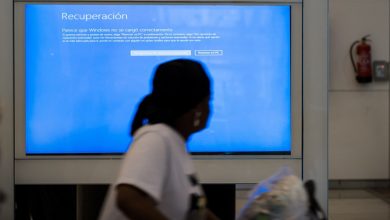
(281, 196)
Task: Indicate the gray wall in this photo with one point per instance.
(358, 114)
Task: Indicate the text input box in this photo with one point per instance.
(160, 53)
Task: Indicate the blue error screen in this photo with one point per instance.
(88, 67)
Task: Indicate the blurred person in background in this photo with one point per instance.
(157, 179)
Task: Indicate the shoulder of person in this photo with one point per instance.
(160, 131)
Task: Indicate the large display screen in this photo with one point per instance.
(87, 67)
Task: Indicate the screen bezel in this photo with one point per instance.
(296, 84)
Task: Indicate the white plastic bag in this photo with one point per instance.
(281, 196)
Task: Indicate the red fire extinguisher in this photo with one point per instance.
(362, 68)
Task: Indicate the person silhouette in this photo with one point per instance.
(157, 179)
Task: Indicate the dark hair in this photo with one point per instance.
(178, 86)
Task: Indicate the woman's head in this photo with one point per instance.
(181, 89)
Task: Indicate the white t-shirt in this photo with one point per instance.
(158, 164)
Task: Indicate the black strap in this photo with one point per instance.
(315, 210)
